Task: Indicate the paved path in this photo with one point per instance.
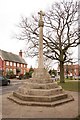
(13, 110)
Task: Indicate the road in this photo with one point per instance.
(12, 87)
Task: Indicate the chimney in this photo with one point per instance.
(20, 53)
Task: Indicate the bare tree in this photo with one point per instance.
(60, 33)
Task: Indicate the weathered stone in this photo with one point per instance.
(35, 103)
(39, 98)
(41, 75)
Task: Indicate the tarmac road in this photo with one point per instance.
(12, 87)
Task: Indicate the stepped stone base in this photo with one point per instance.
(41, 90)
(35, 103)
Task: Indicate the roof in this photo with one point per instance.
(8, 56)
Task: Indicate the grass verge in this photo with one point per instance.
(71, 85)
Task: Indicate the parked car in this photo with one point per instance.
(4, 81)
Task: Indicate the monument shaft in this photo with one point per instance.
(40, 62)
(41, 25)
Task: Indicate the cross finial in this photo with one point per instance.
(41, 14)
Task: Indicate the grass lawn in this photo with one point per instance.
(70, 85)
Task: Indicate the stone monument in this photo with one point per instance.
(40, 90)
(40, 74)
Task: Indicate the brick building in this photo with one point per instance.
(73, 69)
(69, 69)
(10, 61)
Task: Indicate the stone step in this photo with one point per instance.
(41, 92)
(34, 103)
(32, 85)
(40, 98)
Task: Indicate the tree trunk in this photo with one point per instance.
(62, 72)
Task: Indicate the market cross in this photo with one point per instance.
(41, 25)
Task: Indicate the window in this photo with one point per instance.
(75, 70)
(17, 64)
(14, 64)
(7, 63)
(15, 71)
(10, 63)
(10, 69)
(25, 65)
(21, 65)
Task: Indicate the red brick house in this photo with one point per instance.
(70, 69)
(73, 68)
(10, 61)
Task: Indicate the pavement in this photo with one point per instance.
(11, 109)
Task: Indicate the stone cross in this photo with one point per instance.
(41, 14)
(41, 25)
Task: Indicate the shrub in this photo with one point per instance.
(10, 74)
(26, 75)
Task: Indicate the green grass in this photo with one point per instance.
(71, 86)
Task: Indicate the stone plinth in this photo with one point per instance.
(41, 75)
(41, 92)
